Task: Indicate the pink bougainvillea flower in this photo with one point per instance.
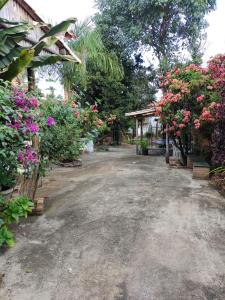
(20, 156)
(197, 123)
(174, 123)
(26, 109)
(178, 133)
(50, 121)
(200, 98)
(20, 101)
(33, 102)
(32, 127)
(181, 126)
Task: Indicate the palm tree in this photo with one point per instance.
(89, 46)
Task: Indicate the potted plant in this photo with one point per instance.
(144, 146)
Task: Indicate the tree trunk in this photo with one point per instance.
(31, 79)
(167, 146)
(29, 184)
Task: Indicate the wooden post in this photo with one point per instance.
(167, 146)
(31, 79)
(136, 135)
(29, 185)
(141, 129)
(157, 128)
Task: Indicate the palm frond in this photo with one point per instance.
(90, 48)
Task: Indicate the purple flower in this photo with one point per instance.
(20, 156)
(50, 121)
(20, 101)
(26, 109)
(27, 157)
(32, 127)
(33, 102)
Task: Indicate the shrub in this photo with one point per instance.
(11, 212)
(189, 103)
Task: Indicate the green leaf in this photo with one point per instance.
(2, 3)
(43, 60)
(18, 65)
(59, 28)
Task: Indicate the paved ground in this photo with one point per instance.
(121, 227)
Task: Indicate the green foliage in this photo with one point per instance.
(10, 140)
(144, 143)
(16, 209)
(219, 170)
(10, 36)
(91, 50)
(118, 84)
(166, 27)
(63, 140)
(6, 236)
(14, 58)
(2, 3)
(10, 212)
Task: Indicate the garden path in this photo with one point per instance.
(121, 227)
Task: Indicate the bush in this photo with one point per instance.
(73, 127)
(11, 212)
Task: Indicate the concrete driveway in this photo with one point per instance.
(121, 227)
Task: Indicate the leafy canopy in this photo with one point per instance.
(164, 26)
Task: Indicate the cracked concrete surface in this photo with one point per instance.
(121, 227)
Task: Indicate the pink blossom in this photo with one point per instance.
(32, 127)
(50, 121)
(200, 98)
(33, 102)
(197, 123)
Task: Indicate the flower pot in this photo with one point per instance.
(144, 151)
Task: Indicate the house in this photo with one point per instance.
(20, 10)
(146, 120)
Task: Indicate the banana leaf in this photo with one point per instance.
(59, 28)
(18, 65)
(43, 60)
(2, 3)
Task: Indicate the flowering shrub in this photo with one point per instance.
(190, 101)
(20, 123)
(217, 71)
(73, 126)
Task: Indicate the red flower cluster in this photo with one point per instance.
(181, 86)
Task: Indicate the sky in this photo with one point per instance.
(54, 11)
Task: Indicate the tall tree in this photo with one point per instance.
(90, 48)
(119, 83)
(165, 27)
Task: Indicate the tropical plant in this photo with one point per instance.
(144, 143)
(90, 48)
(99, 80)
(15, 58)
(10, 212)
